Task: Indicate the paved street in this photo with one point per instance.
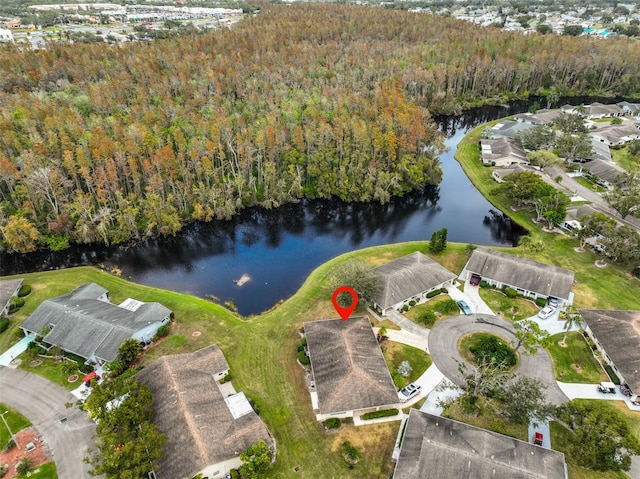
(43, 403)
(443, 345)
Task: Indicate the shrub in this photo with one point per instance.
(303, 342)
(428, 318)
(382, 413)
(10, 445)
(491, 349)
(226, 378)
(332, 423)
(484, 284)
(405, 307)
(116, 367)
(303, 358)
(4, 324)
(412, 303)
(398, 380)
(432, 294)
(163, 331)
(614, 377)
(3, 469)
(24, 466)
(541, 302)
(448, 306)
(350, 453)
(25, 290)
(636, 272)
(15, 304)
(510, 293)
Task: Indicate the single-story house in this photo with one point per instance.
(5, 35)
(606, 173)
(599, 150)
(616, 333)
(543, 116)
(527, 277)
(613, 135)
(434, 446)
(572, 221)
(407, 279)
(509, 129)
(8, 289)
(631, 109)
(502, 152)
(498, 174)
(349, 371)
(594, 110)
(84, 322)
(207, 429)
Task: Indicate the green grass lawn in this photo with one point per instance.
(16, 421)
(395, 353)
(487, 419)
(623, 158)
(430, 308)
(45, 471)
(512, 309)
(584, 181)
(52, 370)
(576, 352)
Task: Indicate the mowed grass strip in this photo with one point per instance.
(16, 421)
(574, 363)
(513, 309)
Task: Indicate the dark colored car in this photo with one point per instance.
(475, 279)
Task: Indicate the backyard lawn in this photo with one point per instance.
(513, 309)
(487, 419)
(574, 363)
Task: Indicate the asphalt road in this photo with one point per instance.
(443, 346)
(43, 403)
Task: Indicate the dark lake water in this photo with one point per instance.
(279, 248)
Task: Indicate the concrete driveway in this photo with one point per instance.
(443, 345)
(67, 432)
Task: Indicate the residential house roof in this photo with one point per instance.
(605, 170)
(541, 117)
(599, 150)
(348, 367)
(618, 332)
(575, 213)
(616, 134)
(87, 326)
(8, 288)
(190, 409)
(499, 173)
(408, 276)
(631, 107)
(434, 446)
(543, 279)
(597, 108)
(501, 148)
(509, 129)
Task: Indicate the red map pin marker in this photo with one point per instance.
(345, 312)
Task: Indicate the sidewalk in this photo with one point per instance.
(15, 350)
(590, 391)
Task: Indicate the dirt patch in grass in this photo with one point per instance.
(372, 440)
(40, 455)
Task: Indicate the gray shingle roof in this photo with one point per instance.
(616, 133)
(502, 148)
(442, 448)
(605, 170)
(7, 288)
(86, 326)
(509, 128)
(524, 273)
(618, 332)
(189, 408)
(408, 276)
(348, 367)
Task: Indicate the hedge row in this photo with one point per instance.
(378, 414)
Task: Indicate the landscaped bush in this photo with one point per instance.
(614, 377)
(541, 302)
(3, 469)
(405, 307)
(491, 349)
(432, 294)
(427, 318)
(510, 293)
(332, 423)
(636, 272)
(163, 331)
(15, 304)
(378, 414)
(484, 284)
(24, 466)
(303, 358)
(226, 378)
(412, 303)
(10, 445)
(25, 290)
(448, 306)
(4, 324)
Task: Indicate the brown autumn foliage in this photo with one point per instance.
(105, 143)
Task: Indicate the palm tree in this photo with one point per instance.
(573, 319)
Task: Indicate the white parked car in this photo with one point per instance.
(546, 312)
(408, 392)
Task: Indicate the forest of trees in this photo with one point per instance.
(106, 144)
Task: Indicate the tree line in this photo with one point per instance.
(109, 144)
